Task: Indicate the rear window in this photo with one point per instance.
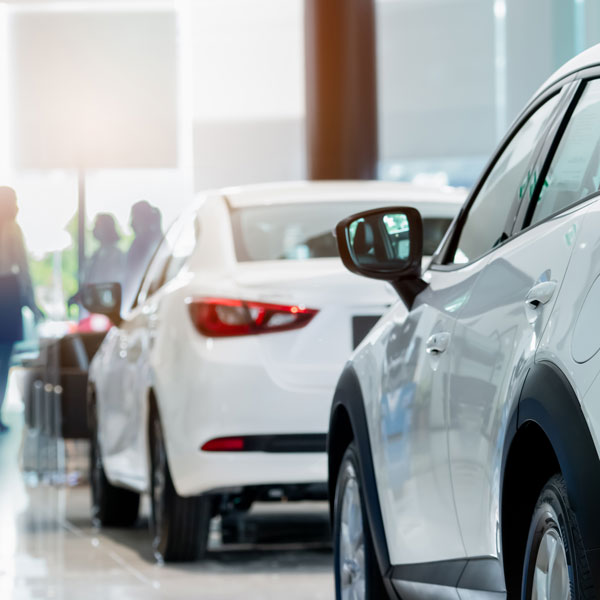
(301, 231)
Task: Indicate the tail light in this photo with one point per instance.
(225, 317)
(226, 444)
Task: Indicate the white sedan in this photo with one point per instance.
(214, 389)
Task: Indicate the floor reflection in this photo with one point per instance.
(49, 549)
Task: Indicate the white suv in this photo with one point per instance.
(214, 389)
(465, 430)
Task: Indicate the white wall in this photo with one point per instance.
(248, 74)
(93, 89)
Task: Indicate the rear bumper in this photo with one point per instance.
(229, 398)
(204, 472)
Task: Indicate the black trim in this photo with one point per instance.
(483, 574)
(361, 325)
(295, 442)
(446, 253)
(407, 279)
(548, 400)
(445, 572)
(544, 161)
(580, 82)
(348, 394)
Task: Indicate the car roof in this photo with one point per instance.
(339, 191)
(587, 58)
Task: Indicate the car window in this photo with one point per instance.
(183, 246)
(304, 231)
(177, 246)
(155, 273)
(506, 184)
(575, 169)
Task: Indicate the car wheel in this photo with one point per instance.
(357, 574)
(112, 506)
(179, 525)
(555, 566)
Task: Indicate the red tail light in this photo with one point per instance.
(225, 317)
(226, 444)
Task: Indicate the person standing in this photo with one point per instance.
(16, 288)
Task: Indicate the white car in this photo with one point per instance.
(465, 433)
(215, 388)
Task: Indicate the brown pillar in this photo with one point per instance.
(341, 100)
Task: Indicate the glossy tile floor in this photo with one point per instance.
(49, 550)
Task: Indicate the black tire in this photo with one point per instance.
(553, 518)
(349, 474)
(179, 525)
(112, 506)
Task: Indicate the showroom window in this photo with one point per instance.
(442, 107)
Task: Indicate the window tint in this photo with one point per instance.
(506, 184)
(575, 169)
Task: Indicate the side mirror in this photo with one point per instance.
(103, 299)
(385, 243)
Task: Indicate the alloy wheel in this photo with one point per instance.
(551, 575)
(352, 541)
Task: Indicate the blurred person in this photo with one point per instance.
(107, 262)
(146, 225)
(16, 288)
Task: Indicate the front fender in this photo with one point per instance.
(348, 398)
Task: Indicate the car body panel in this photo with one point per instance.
(405, 399)
(567, 332)
(496, 338)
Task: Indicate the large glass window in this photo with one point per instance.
(575, 169)
(436, 97)
(486, 224)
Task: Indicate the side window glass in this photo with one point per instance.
(155, 276)
(505, 185)
(184, 246)
(575, 169)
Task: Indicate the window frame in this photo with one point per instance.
(566, 88)
(194, 221)
(144, 288)
(525, 216)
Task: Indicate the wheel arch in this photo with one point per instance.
(548, 433)
(348, 423)
(339, 438)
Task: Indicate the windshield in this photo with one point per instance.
(301, 231)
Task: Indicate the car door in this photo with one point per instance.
(497, 333)
(120, 381)
(123, 407)
(412, 454)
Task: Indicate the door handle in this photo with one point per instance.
(539, 294)
(438, 343)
